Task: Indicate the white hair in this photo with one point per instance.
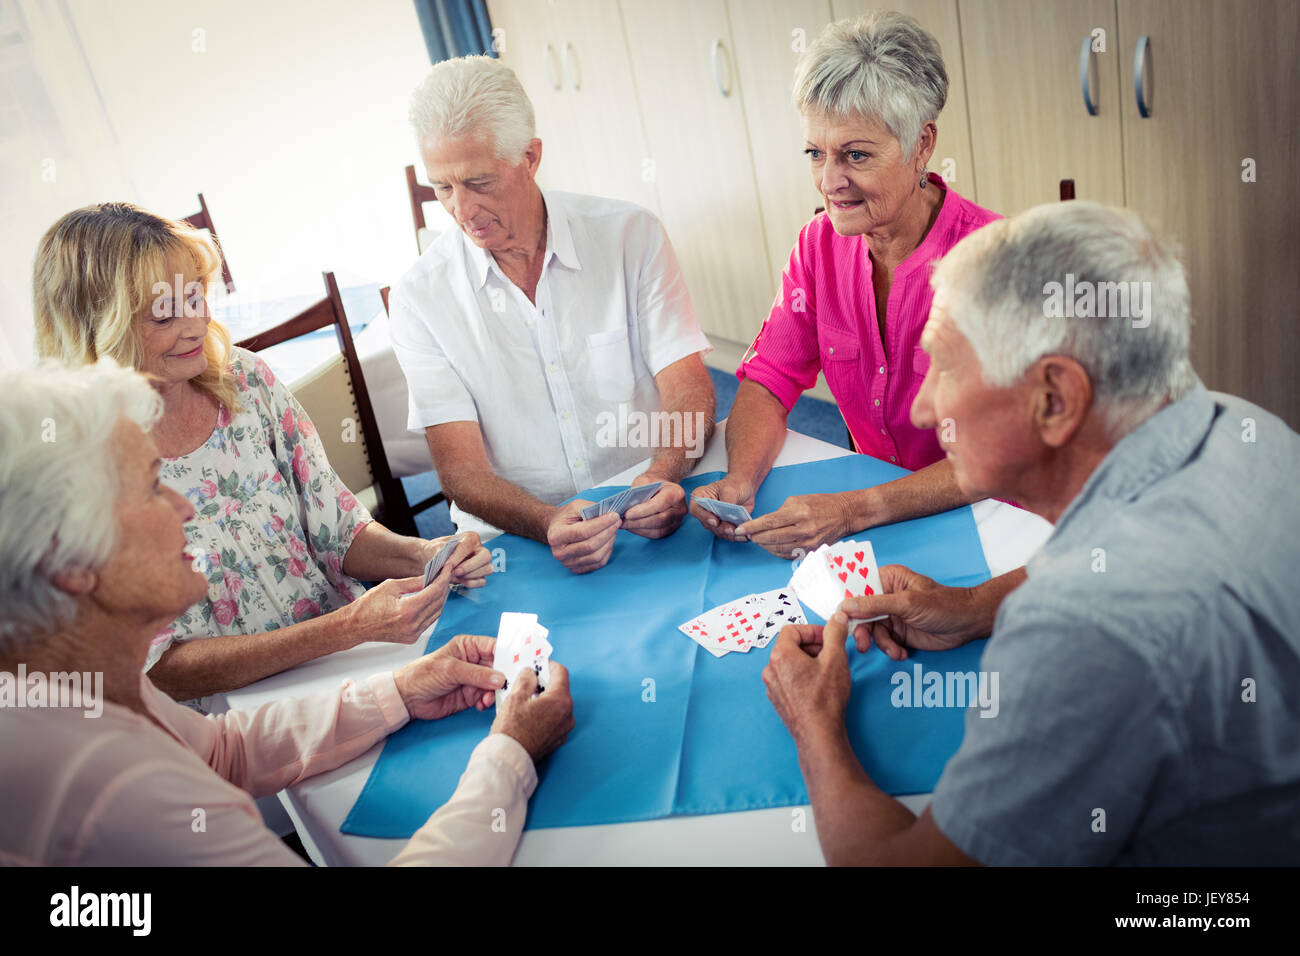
(474, 95)
(1000, 287)
(59, 483)
(883, 66)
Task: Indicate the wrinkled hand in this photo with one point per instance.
(397, 611)
(661, 515)
(582, 546)
(470, 563)
(540, 722)
(923, 614)
(803, 522)
(807, 677)
(726, 488)
(453, 678)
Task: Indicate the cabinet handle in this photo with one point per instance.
(570, 55)
(552, 68)
(1085, 62)
(1141, 61)
(718, 48)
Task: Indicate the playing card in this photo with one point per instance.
(521, 643)
(438, 560)
(853, 565)
(725, 510)
(830, 575)
(728, 627)
(621, 501)
(780, 608)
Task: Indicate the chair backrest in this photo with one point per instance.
(1067, 189)
(203, 220)
(420, 194)
(335, 396)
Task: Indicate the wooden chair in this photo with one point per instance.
(440, 496)
(420, 194)
(334, 393)
(203, 220)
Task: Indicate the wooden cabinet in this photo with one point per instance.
(1221, 93)
(684, 66)
(1029, 125)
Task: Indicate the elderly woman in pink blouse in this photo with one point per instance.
(856, 294)
(93, 558)
(282, 544)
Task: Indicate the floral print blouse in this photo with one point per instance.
(272, 520)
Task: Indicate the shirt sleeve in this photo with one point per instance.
(784, 356)
(437, 393)
(482, 822)
(283, 742)
(1057, 771)
(669, 330)
(329, 513)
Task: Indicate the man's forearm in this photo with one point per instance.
(682, 446)
(990, 595)
(500, 503)
(377, 554)
(755, 433)
(854, 817)
(925, 492)
(214, 665)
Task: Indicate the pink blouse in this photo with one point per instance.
(825, 320)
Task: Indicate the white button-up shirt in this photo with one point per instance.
(611, 312)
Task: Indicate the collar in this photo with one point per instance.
(1157, 448)
(559, 243)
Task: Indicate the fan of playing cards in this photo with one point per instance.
(753, 621)
(521, 642)
(725, 510)
(622, 501)
(832, 573)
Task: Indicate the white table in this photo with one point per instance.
(756, 837)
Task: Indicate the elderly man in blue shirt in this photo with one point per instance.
(1148, 665)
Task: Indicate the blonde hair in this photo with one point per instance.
(94, 277)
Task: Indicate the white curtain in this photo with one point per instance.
(58, 149)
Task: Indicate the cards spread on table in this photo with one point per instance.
(521, 642)
(741, 625)
(724, 510)
(438, 560)
(621, 501)
(833, 573)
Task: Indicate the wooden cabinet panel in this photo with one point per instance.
(682, 62)
(1224, 79)
(1029, 126)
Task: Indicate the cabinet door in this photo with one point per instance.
(1029, 125)
(1221, 93)
(769, 36)
(600, 101)
(529, 46)
(683, 63)
(952, 154)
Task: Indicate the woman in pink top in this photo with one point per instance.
(856, 293)
(98, 766)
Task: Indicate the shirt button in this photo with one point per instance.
(883, 432)
(831, 350)
(877, 401)
(882, 370)
(564, 415)
(553, 367)
(577, 463)
(892, 458)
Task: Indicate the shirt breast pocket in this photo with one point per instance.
(841, 363)
(611, 364)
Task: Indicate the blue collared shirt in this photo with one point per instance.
(1149, 668)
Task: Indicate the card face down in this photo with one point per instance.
(724, 510)
(621, 501)
(438, 560)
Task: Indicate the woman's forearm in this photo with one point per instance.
(214, 665)
(925, 492)
(755, 433)
(377, 554)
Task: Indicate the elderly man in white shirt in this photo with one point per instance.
(548, 343)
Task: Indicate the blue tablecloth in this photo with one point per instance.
(663, 727)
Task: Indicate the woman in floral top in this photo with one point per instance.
(283, 544)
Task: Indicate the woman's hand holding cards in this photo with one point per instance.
(802, 523)
(729, 489)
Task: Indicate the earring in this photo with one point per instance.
(925, 178)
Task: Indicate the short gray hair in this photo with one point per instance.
(475, 95)
(883, 66)
(59, 483)
(1001, 283)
